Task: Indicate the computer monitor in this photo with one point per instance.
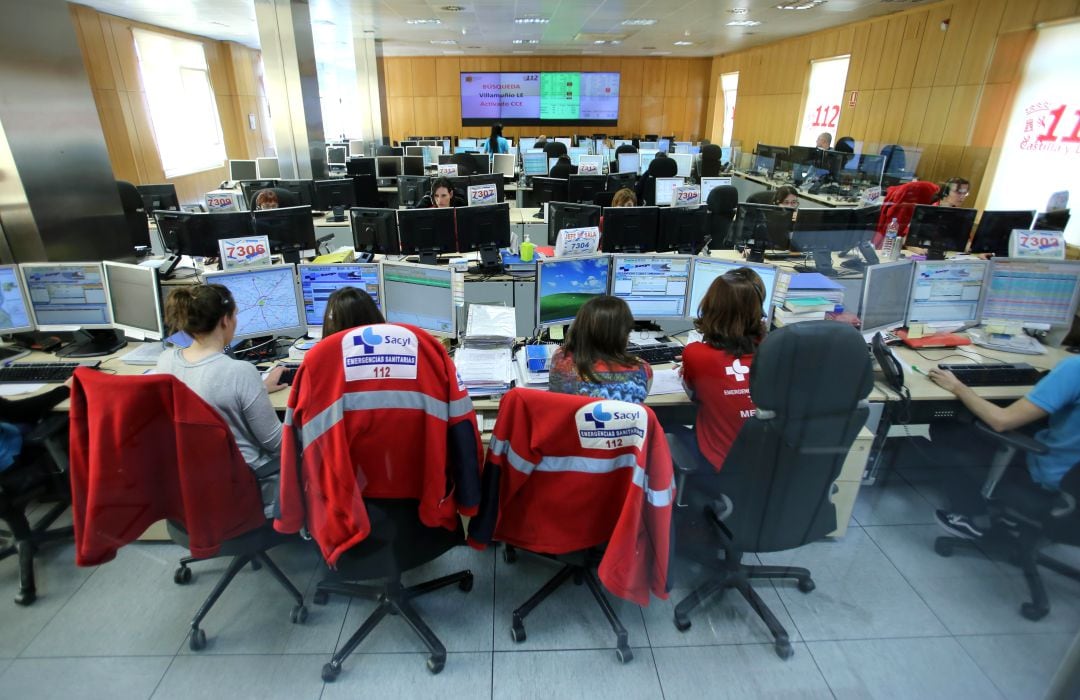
(398, 151)
(303, 190)
(995, 227)
(886, 290)
(243, 170)
(356, 147)
(549, 189)
(290, 230)
(617, 181)
(763, 165)
(802, 154)
(250, 189)
(375, 230)
(708, 184)
(411, 143)
(563, 285)
(628, 162)
(526, 143)
(72, 297)
(318, 282)
(705, 270)
(630, 229)
(869, 170)
(267, 301)
(683, 229)
(361, 166)
(484, 229)
(665, 190)
(653, 286)
(135, 299)
(583, 188)
(564, 140)
(764, 222)
(420, 295)
(504, 164)
(564, 215)
(682, 146)
(268, 168)
(158, 197)
(939, 229)
(411, 189)
(430, 155)
(427, 232)
(590, 165)
(1032, 291)
(412, 165)
(197, 234)
(388, 167)
(825, 231)
(492, 179)
(534, 164)
(467, 143)
(414, 151)
(481, 163)
(1055, 220)
(14, 304)
(334, 193)
(946, 291)
(775, 152)
(645, 157)
(685, 161)
(336, 155)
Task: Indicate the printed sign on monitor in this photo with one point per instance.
(531, 98)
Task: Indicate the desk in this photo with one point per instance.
(748, 184)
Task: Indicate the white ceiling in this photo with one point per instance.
(489, 26)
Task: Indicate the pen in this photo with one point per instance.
(919, 370)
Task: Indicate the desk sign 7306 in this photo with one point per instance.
(249, 251)
(1047, 245)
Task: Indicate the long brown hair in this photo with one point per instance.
(599, 334)
(197, 310)
(729, 317)
(349, 307)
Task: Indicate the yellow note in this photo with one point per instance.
(915, 331)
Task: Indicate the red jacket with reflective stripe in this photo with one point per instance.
(376, 412)
(566, 473)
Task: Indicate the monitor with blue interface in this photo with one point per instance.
(14, 306)
(267, 301)
(653, 286)
(73, 297)
(1032, 291)
(705, 270)
(534, 163)
(885, 296)
(563, 285)
(628, 162)
(318, 282)
(420, 295)
(946, 291)
(645, 157)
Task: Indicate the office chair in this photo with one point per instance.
(663, 167)
(146, 448)
(376, 504)
(711, 161)
(723, 204)
(27, 482)
(286, 198)
(384, 150)
(651, 137)
(135, 220)
(586, 483)
(763, 197)
(1024, 518)
(809, 383)
(554, 149)
(603, 199)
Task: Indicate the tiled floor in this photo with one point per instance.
(889, 618)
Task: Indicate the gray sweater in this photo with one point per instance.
(236, 390)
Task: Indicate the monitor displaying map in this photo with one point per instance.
(14, 310)
(267, 301)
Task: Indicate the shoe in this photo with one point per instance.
(958, 525)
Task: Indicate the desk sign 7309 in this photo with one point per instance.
(249, 251)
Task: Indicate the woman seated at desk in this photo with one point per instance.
(787, 196)
(441, 196)
(347, 308)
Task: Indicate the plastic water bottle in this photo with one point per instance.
(890, 249)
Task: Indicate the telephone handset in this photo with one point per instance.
(890, 366)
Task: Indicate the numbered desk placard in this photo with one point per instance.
(483, 194)
(223, 200)
(588, 168)
(686, 196)
(249, 251)
(1045, 245)
(871, 195)
(577, 242)
(448, 169)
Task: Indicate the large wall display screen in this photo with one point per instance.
(534, 98)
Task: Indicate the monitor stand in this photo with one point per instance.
(94, 343)
(490, 261)
(429, 257)
(290, 257)
(936, 251)
(822, 264)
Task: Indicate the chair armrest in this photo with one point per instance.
(1012, 438)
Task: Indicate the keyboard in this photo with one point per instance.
(656, 354)
(1005, 374)
(36, 372)
(289, 374)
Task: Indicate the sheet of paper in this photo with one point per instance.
(17, 389)
(666, 381)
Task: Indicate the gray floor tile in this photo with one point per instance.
(568, 619)
(291, 676)
(729, 620)
(901, 668)
(892, 501)
(742, 671)
(113, 678)
(1020, 665)
(587, 673)
(855, 554)
(461, 620)
(406, 676)
(911, 549)
(4, 663)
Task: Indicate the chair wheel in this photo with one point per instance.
(517, 633)
(784, 650)
(256, 565)
(682, 623)
(466, 583)
(320, 598)
(298, 615)
(330, 671)
(197, 640)
(806, 585)
(1033, 612)
(25, 597)
(624, 654)
(434, 665)
(182, 576)
(509, 555)
(943, 547)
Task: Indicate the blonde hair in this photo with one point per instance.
(624, 198)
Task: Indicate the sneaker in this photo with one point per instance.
(958, 525)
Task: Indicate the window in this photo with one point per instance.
(1041, 150)
(823, 98)
(183, 111)
(729, 85)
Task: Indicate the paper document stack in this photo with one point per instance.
(808, 296)
(533, 379)
(485, 371)
(797, 309)
(490, 326)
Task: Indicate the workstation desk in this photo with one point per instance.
(748, 184)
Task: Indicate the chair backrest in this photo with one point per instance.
(385, 150)
(366, 191)
(711, 160)
(809, 383)
(723, 203)
(135, 221)
(625, 148)
(147, 448)
(763, 197)
(286, 198)
(663, 167)
(554, 149)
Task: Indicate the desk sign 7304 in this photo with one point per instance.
(249, 251)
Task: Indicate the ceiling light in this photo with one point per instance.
(639, 22)
(526, 41)
(660, 53)
(743, 23)
(614, 42)
(444, 42)
(738, 10)
(801, 5)
(531, 20)
(683, 43)
(522, 52)
(458, 52)
(452, 8)
(423, 21)
(599, 42)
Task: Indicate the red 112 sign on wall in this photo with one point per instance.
(826, 116)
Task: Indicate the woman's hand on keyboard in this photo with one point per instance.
(273, 380)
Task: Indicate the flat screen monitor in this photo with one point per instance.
(361, 166)
(481, 163)
(334, 193)
(563, 285)
(563, 215)
(412, 165)
(802, 154)
(764, 165)
(428, 232)
(414, 151)
(303, 190)
(492, 179)
(663, 145)
(420, 295)
(940, 229)
(504, 164)
(575, 153)
(356, 147)
(885, 296)
(135, 299)
(158, 197)
(467, 143)
(705, 270)
(775, 152)
(318, 282)
(946, 291)
(685, 161)
(757, 221)
(995, 227)
(14, 304)
(268, 168)
(1055, 220)
(683, 229)
(485, 229)
(653, 286)
(289, 229)
(617, 181)
(1032, 291)
(682, 146)
(825, 231)
(629, 162)
(526, 143)
(584, 188)
(375, 230)
(388, 166)
(411, 189)
(665, 190)
(645, 157)
(336, 155)
(243, 170)
(630, 229)
(549, 189)
(869, 169)
(197, 234)
(267, 301)
(708, 184)
(534, 164)
(67, 296)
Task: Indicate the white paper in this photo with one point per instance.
(487, 321)
(666, 381)
(17, 389)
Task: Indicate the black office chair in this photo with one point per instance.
(554, 149)
(464, 163)
(286, 198)
(711, 161)
(651, 137)
(384, 150)
(763, 197)
(723, 204)
(809, 383)
(135, 221)
(663, 167)
(603, 199)
(1024, 517)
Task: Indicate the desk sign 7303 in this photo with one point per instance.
(249, 251)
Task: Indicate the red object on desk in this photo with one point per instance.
(937, 340)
